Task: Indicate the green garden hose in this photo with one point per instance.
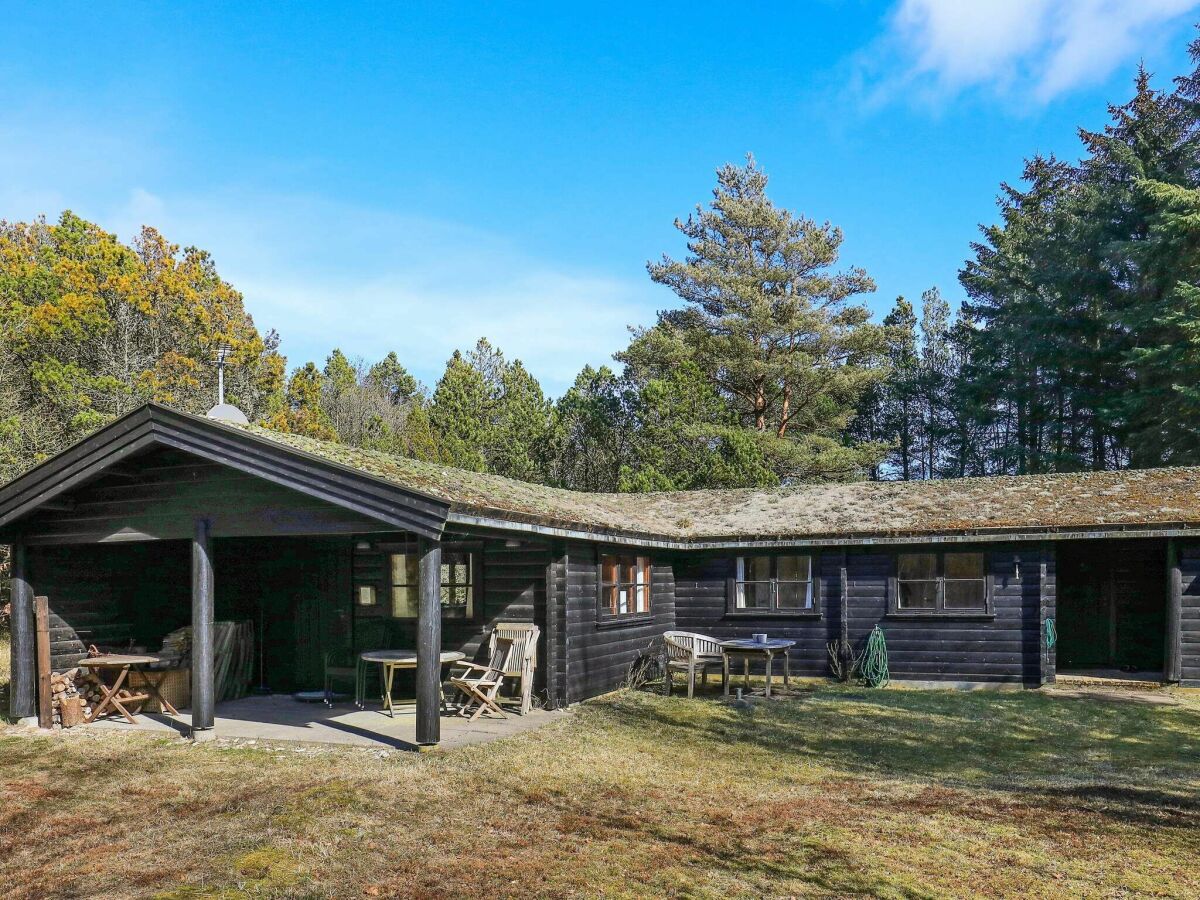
(874, 661)
(1051, 634)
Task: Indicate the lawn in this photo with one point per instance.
(839, 791)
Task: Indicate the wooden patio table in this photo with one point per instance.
(122, 663)
(390, 661)
(747, 650)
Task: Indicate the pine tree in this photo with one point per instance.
(770, 325)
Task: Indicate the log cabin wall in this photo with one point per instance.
(599, 654)
(111, 595)
(512, 588)
(1004, 645)
(702, 589)
(1189, 632)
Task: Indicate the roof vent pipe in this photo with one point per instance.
(225, 412)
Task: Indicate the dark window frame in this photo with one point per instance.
(775, 611)
(383, 584)
(940, 610)
(605, 617)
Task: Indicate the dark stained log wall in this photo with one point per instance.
(112, 595)
(514, 590)
(1005, 647)
(161, 498)
(599, 656)
(701, 584)
(1189, 631)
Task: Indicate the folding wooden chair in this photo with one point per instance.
(524, 636)
(479, 684)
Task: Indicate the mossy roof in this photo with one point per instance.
(1148, 497)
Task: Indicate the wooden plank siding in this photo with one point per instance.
(169, 489)
(1189, 565)
(513, 589)
(701, 587)
(1003, 647)
(111, 596)
(599, 655)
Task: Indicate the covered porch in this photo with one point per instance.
(160, 522)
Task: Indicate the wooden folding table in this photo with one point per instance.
(122, 663)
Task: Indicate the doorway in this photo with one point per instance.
(1112, 601)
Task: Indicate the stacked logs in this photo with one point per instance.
(74, 694)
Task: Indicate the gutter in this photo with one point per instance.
(965, 536)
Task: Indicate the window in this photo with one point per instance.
(624, 586)
(941, 582)
(458, 584)
(773, 584)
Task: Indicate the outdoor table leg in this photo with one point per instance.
(746, 672)
(110, 699)
(152, 687)
(787, 669)
(725, 673)
(767, 690)
(389, 673)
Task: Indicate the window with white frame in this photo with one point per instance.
(778, 583)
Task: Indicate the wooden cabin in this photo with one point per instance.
(164, 519)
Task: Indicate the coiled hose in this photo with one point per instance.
(874, 666)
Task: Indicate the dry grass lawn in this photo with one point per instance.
(840, 791)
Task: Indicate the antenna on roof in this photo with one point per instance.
(226, 412)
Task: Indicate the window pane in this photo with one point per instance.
(794, 568)
(917, 566)
(758, 568)
(754, 595)
(366, 595)
(917, 594)
(404, 568)
(966, 594)
(608, 569)
(964, 565)
(623, 599)
(404, 602)
(643, 601)
(795, 595)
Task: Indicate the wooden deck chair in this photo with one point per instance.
(479, 684)
(524, 636)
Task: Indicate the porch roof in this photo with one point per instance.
(425, 497)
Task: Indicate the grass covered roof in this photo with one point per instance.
(1148, 497)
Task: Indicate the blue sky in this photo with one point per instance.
(411, 177)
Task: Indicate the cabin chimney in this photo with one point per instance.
(225, 412)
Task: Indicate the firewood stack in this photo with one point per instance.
(74, 687)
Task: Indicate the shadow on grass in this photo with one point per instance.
(1139, 761)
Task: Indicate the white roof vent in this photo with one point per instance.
(225, 412)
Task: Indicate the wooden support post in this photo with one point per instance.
(429, 644)
(203, 687)
(41, 618)
(23, 684)
(1173, 651)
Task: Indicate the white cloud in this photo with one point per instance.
(1038, 48)
(326, 274)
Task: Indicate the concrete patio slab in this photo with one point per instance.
(282, 718)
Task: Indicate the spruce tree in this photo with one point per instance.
(459, 415)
